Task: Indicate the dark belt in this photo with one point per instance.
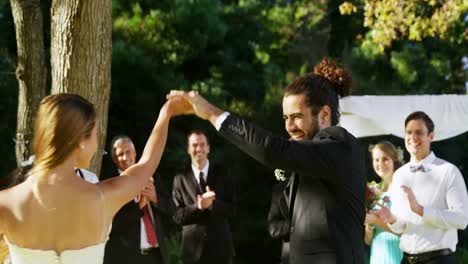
(149, 251)
(426, 256)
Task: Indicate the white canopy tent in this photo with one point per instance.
(368, 115)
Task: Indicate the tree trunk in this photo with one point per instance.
(30, 72)
(81, 47)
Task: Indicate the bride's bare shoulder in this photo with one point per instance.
(13, 196)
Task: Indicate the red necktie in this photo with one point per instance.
(149, 228)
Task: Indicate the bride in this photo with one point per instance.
(56, 217)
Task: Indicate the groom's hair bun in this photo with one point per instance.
(329, 82)
(336, 74)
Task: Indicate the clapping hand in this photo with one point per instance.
(385, 214)
(416, 207)
(206, 199)
(148, 193)
(371, 219)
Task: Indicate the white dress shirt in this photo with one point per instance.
(88, 176)
(196, 172)
(219, 121)
(441, 190)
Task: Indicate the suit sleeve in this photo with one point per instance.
(126, 216)
(185, 214)
(320, 154)
(278, 225)
(165, 204)
(455, 216)
(226, 206)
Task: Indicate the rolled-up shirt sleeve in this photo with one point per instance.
(455, 216)
(398, 227)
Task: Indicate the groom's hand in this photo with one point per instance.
(200, 106)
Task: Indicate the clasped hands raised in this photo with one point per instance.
(184, 103)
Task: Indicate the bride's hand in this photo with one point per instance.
(177, 106)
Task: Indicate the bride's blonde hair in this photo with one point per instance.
(62, 122)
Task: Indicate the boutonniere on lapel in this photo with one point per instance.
(280, 175)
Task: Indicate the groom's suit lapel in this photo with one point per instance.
(292, 193)
(289, 192)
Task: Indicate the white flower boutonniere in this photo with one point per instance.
(279, 174)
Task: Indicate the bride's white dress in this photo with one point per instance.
(89, 255)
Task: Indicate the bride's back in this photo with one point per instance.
(54, 213)
(54, 209)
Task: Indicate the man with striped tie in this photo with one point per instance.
(137, 234)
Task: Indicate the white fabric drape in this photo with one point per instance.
(368, 115)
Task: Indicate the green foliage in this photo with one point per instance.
(391, 20)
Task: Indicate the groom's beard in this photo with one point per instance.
(308, 134)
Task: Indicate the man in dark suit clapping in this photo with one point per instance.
(328, 180)
(137, 234)
(204, 198)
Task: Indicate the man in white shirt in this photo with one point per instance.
(429, 199)
(137, 234)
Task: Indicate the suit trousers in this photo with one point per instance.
(210, 257)
(127, 256)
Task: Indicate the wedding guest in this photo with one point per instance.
(384, 244)
(138, 234)
(70, 217)
(204, 197)
(429, 199)
(327, 184)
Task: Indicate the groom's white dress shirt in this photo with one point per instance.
(439, 187)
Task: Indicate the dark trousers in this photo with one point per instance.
(127, 256)
(209, 259)
(445, 259)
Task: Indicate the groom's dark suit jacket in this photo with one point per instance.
(278, 218)
(327, 199)
(205, 232)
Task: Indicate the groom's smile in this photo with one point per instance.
(298, 119)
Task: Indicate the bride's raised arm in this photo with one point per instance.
(120, 190)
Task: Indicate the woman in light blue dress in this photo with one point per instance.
(384, 245)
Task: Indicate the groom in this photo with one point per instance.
(327, 195)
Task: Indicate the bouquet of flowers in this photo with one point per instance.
(373, 194)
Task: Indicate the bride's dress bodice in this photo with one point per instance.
(89, 255)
